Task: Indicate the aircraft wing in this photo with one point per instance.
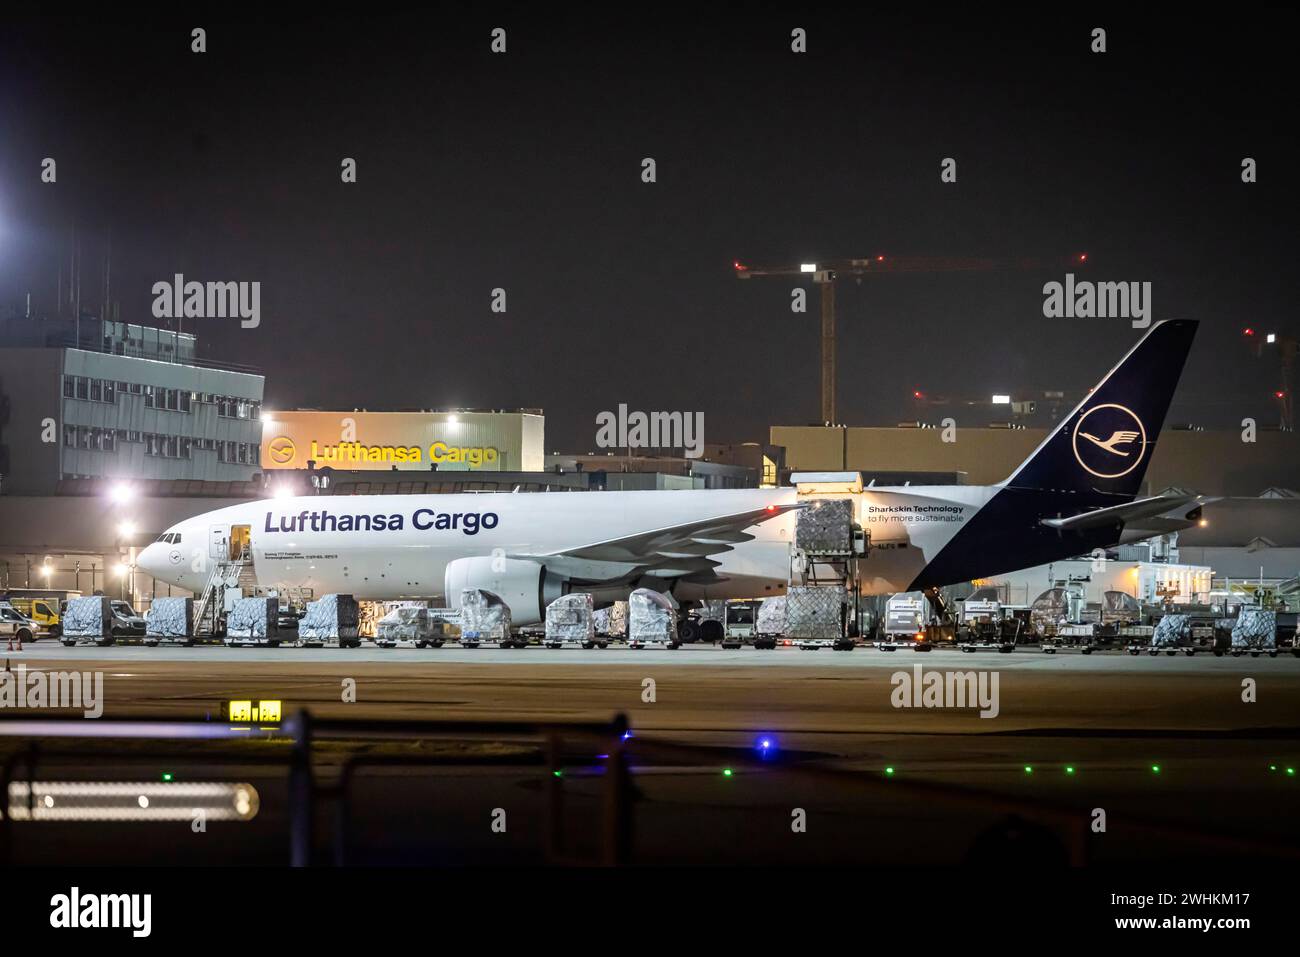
(671, 551)
(1161, 513)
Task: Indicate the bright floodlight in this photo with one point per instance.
(1002, 400)
(120, 570)
(45, 570)
(807, 267)
(283, 491)
(126, 529)
(121, 493)
(1272, 337)
(453, 419)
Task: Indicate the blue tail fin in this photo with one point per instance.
(1106, 443)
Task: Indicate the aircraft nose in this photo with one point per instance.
(154, 560)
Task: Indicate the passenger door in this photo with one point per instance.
(219, 543)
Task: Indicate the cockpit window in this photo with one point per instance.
(169, 538)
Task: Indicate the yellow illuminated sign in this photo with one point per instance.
(243, 711)
(415, 441)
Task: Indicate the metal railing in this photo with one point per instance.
(307, 793)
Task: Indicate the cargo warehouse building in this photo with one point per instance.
(425, 441)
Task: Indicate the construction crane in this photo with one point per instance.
(824, 274)
(1288, 348)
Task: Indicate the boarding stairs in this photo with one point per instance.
(237, 574)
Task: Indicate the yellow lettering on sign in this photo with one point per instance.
(268, 711)
(474, 456)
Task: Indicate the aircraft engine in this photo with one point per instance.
(526, 586)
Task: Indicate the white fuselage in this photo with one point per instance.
(383, 547)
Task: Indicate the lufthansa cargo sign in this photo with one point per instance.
(353, 441)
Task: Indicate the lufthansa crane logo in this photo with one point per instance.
(1109, 441)
(281, 450)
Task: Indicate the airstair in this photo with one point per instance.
(235, 574)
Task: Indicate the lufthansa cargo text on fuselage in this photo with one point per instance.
(423, 519)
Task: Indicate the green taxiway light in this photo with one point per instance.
(1291, 771)
(889, 770)
(558, 774)
(1155, 769)
(1272, 767)
(726, 772)
(1029, 769)
(167, 776)
(1069, 769)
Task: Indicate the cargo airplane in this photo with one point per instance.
(1077, 492)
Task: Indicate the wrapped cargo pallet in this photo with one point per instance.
(253, 619)
(570, 619)
(611, 622)
(815, 612)
(771, 617)
(331, 617)
(484, 617)
(712, 610)
(1172, 631)
(170, 618)
(651, 618)
(407, 622)
(90, 617)
(825, 526)
(1255, 630)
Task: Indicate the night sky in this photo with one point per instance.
(522, 171)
